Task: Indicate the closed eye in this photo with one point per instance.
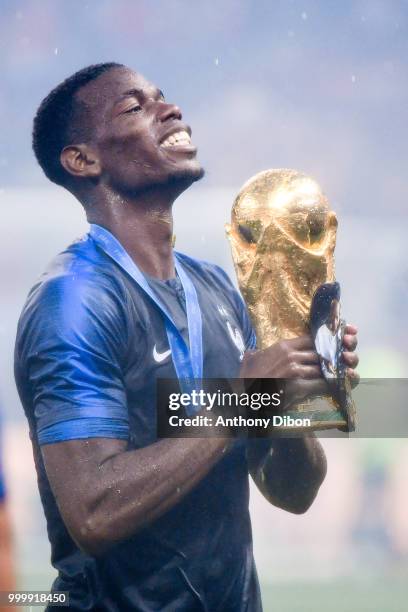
(134, 109)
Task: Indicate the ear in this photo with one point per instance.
(80, 161)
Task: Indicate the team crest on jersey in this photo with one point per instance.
(233, 331)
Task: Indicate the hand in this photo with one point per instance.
(297, 359)
(294, 359)
(350, 357)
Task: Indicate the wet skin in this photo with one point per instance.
(130, 120)
(127, 182)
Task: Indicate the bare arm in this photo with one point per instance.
(106, 493)
(288, 472)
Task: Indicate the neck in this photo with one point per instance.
(144, 227)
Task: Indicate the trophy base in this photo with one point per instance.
(314, 415)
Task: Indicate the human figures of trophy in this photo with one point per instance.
(283, 236)
(327, 329)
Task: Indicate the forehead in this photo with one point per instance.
(103, 92)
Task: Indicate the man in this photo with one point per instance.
(327, 340)
(136, 523)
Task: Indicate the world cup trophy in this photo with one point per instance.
(282, 236)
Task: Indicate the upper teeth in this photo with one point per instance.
(179, 138)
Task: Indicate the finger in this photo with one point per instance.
(301, 343)
(309, 371)
(350, 342)
(310, 388)
(306, 357)
(350, 329)
(317, 388)
(351, 359)
(353, 376)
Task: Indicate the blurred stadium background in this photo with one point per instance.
(318, 86)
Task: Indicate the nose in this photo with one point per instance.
(168, 111)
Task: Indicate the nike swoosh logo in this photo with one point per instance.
(159, 357)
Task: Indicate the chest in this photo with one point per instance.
(149, 356)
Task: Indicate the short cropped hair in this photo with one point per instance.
(59, 121)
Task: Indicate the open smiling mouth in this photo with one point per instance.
(178, 139)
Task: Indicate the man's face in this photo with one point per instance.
(140, 140)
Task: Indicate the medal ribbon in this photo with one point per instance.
(188, 361)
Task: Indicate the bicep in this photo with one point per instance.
(72, 348)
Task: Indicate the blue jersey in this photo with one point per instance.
(90, 346)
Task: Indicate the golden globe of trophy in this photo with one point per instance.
(282, 236)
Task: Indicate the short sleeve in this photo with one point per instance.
(71, 343)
